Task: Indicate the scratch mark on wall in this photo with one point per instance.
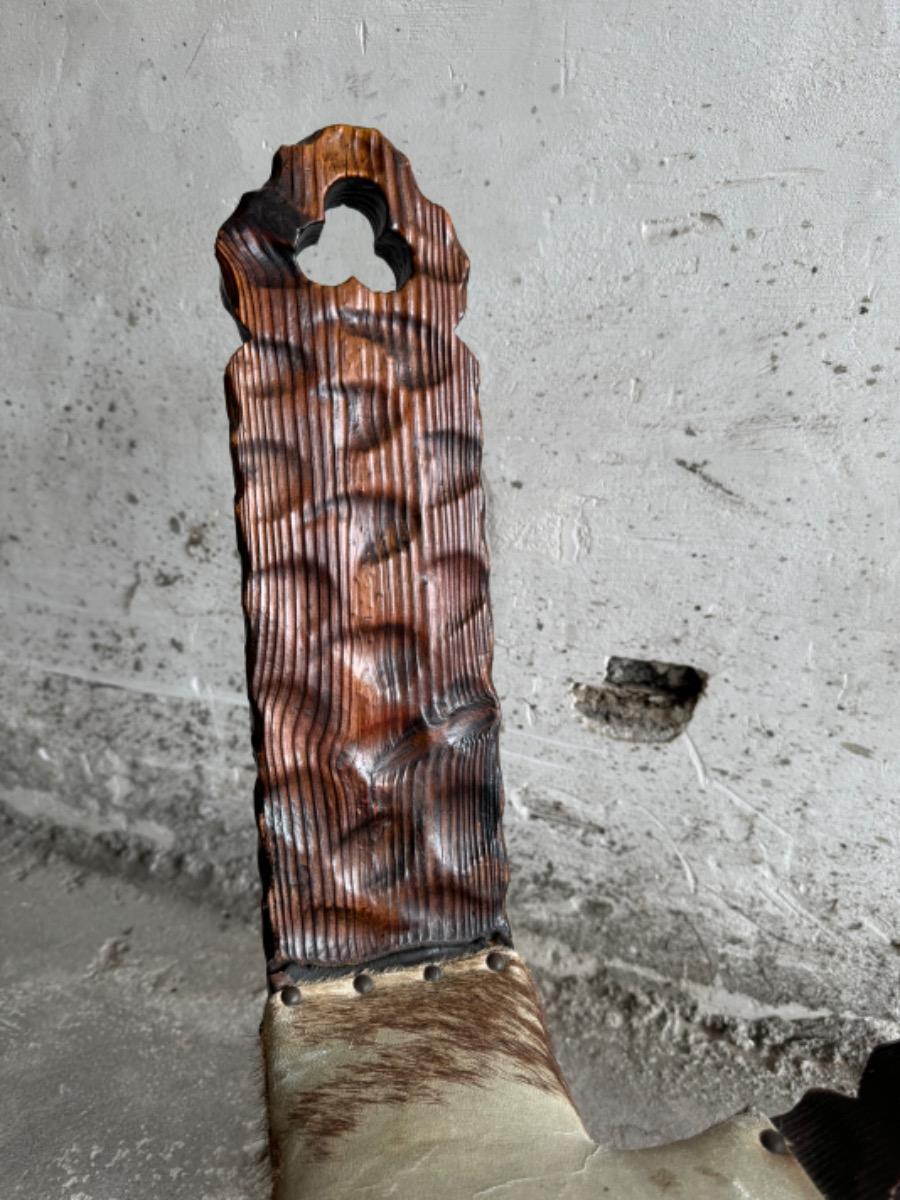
(563, 61)
(698, 469)
(741, 802)
(878, 930)
(33, 308)
(696, 761)
(558, 742)
(767, 177)
(795, 908)
(759, 926)
(664, 229)
(537, 762)
(690, 877)
(362, 32)
(703, 948)
(196, 51)
(554, 815)
(157, 689)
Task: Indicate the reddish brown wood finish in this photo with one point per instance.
(356, 443)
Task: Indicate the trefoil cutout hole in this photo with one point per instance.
(640, 700)
(355, 240)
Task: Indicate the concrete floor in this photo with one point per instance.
(130, 1071)
(128, 1019)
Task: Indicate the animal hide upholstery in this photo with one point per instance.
(449, 1090)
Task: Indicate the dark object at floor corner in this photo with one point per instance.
(850, 1147)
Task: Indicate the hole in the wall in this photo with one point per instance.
(640, 700)
(355, 241)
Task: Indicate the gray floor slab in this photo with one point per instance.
(128, 1020)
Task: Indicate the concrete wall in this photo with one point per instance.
(683, 225)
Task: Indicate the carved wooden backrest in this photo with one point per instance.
(356, 442)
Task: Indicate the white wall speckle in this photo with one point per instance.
(683, 228)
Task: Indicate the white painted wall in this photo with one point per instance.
(683, 225)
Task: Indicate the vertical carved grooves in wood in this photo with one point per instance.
(356, 443)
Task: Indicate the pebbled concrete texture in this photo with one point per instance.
(684, 301)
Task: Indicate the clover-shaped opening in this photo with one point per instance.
(341, 247)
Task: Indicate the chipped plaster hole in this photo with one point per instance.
(640, 700)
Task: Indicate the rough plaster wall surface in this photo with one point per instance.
(683, 227)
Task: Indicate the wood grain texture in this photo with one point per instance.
(356, 444)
